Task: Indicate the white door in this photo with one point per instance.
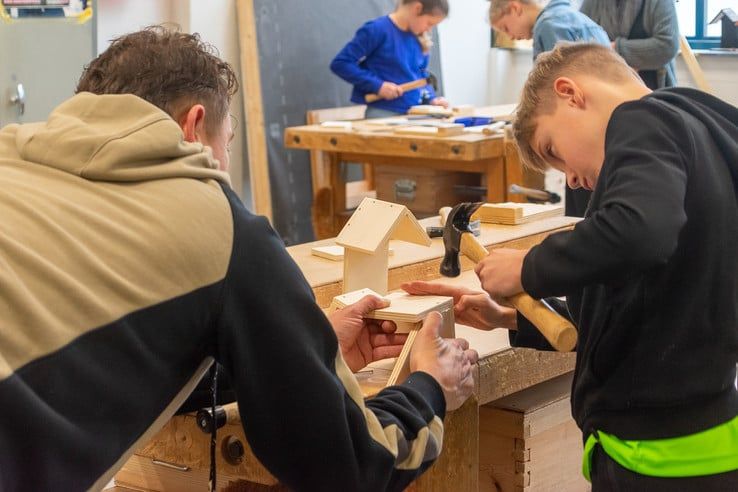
(41, 60)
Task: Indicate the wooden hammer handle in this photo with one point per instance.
(407, 86)
(558, 330)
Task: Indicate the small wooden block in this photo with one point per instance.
(463, 110)
(333, 253)
(339, 125)
(430, 109)
(445, 130)
(515, 213)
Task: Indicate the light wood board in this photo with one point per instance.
(254, 109)
(334, 252)
(510, 213)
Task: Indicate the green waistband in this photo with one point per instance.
(709, 452)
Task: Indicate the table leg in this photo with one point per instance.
(457, 468)
(338, 189)
(495, 180)
(513, 171)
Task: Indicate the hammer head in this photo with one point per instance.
(457, 223)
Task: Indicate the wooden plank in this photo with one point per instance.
(254, 109)
(693, 65)
(515, 369)
(441, 131)
(464, 147)
(511, 213)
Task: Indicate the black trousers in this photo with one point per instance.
(608, 476)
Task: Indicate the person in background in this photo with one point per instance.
(558, 21)
(390, 51)
(644, 32)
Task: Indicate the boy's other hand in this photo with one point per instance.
(449, 361)
(440, 101)
(500, 272)
(390, 91)
(363, 341)
(471, 307)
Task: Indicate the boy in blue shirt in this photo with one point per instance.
(390, 51)
(558, 21)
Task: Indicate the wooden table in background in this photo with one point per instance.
(493, 157)
(501, 371)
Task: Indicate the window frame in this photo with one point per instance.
(700, 40)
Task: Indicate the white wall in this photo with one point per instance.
(464, 43)
(215, 20)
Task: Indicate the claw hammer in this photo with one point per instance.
(457, 238)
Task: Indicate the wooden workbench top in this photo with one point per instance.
(320, 271)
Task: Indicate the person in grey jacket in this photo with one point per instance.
(644, 32)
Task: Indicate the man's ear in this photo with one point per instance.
(417, 8)
(569, 91)
(192, 123)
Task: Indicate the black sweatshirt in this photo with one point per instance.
(651, 274)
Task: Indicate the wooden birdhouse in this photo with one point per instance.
(729, 18)
(365, 239)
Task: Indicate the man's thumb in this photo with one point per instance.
(432, 326)
(369, 303)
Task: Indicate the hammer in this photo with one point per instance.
(457, 238)
(407, 86)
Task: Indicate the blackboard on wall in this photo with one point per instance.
(297, 40)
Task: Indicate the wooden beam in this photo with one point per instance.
(694, 67)
(254, 109)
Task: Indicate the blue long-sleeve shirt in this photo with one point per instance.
(381, 52)
(560, 22)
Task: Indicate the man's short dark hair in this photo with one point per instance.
(168, 68)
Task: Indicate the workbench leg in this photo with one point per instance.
(457, 469)
(495, 180)
(338, 189)
(513, 171)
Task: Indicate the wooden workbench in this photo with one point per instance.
(502, 370)
(493, 157)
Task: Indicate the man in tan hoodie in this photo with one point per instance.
(128, 266)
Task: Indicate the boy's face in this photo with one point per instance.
(514, 23)
(424, 23)
(572, 140)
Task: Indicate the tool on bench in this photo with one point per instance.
(534, 195)
(223, 415)
(475, 226)
(559, 331)
(408, 86)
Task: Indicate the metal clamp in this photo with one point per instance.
(19, 99)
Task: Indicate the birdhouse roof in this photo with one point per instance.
(374, 222)
(728, 14)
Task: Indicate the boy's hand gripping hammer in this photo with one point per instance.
(559, 331)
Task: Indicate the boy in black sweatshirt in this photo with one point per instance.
(650, 275)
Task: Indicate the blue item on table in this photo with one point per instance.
(474, 120)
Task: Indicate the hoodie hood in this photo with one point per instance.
(117, 138)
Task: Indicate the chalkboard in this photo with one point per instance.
(297, 40)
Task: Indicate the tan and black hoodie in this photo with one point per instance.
(127, 265)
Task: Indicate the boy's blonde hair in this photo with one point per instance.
(498, 8)
(538, 97)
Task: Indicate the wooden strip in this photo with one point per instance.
(694, 67)
(254, 109)
(402, 366)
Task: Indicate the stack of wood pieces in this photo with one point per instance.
(405, 310)
(515, 213)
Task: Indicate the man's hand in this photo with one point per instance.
(363, 341)
(471, 308)
(500, 272)
(390, 91)
(440, 101)
(449, 361)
